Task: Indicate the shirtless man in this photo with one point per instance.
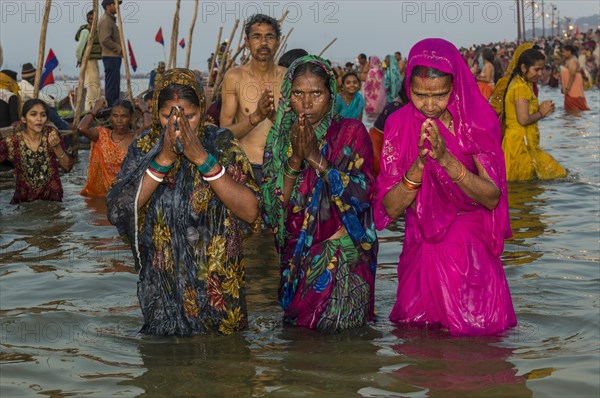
(249, 91)
(363, 67)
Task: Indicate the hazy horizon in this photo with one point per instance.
(374, 28)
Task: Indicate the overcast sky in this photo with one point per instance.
(373, 27)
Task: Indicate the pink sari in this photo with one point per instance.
(450, 273)
(373, 87)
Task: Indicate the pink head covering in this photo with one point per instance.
(474, 117)
(478, 134)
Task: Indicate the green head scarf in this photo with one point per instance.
(279, 147)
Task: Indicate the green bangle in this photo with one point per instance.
(159, 168)
(289, 170)
(207, 166)
(326, 171)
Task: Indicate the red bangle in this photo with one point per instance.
(213, 174)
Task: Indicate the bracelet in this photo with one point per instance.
(285, 173)
(411, 181)
(220, 174)
(62, 156)
(91, 113)
(207, 166)
(155, 178)
(289, 170)
(215, 173)
(159, 168)
(326, 171)
(411, 186)
(461, 176)
(250, 120)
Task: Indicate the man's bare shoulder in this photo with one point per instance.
(281, 71)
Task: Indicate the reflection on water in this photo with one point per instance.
(525, 201)
(443, 365)
(70, 317)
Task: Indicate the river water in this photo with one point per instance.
(70, 318)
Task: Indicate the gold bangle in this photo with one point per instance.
(461, 176)
(411, 181)
(62, 156)
(411, 186)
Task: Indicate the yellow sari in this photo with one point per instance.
(525, 159)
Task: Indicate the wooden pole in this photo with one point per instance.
(224, 61)
(326, 47)
(282, 45)
(124, 51)
(214, 59)
(42, 49)
(174, 35)
(189, 49)
(84, 61)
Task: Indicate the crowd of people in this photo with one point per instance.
(284, 145)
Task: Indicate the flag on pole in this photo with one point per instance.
(182, 43)
(49, 66)
(131, 56)
(159, 37)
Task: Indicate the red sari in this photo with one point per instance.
(36, 173)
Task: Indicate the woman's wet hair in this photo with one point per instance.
(426, 72)
(290, 56)
(347, 75)
(528, 58)
(315, 69)
(31, 103)
(488, 55)
(124, 104)
(176, 92)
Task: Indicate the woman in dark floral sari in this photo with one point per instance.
(318, 185)
(184, 214)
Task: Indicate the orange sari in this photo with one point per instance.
(105, 162)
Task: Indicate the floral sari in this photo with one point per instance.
(37, 174)
(449, 273)
(373, 87)
(186, 244)
(325, 284)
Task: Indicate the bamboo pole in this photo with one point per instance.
(282, 45)
(124, 51)
(174, 35)
(189, 49)
(222, 68)
(327, 46)
(42, 49)
(84, 62)
(215, 55)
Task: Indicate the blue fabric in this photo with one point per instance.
(351, 111)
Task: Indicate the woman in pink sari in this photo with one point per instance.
(374, 88)
(442, 163)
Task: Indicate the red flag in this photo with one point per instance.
(131, 57)
(182, 43)
(49, 66)
(159, 37)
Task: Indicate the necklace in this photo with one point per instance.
(113, 139)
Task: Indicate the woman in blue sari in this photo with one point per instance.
(391, 79)
(350, 102)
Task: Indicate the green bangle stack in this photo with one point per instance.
(287, 169)
(159, 168)
(205, 167)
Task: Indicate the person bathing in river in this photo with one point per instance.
(37, 151)
(109, 147)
